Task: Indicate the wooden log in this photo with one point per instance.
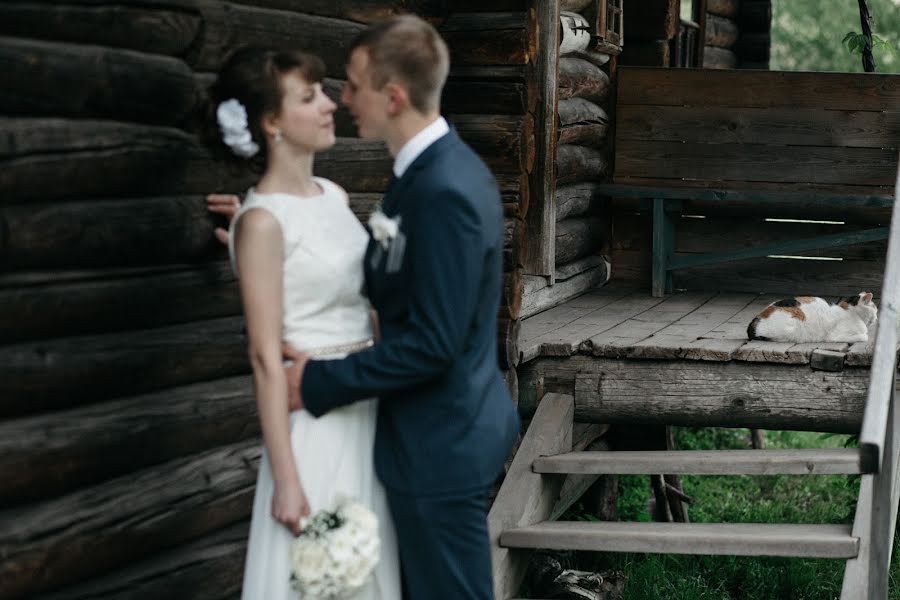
(576, 199)
(227, 26)
(49, 159)
(721, 32)
(579, 163)
(724, 8)
(511, 295)
(755, 47)
(363, 11)
(578, 110)
(755, 16)
(654, 53)
(52, 374)
(592, 135)
(575, 32)
(513, 232)
(580, 78)
(719, 58)
(505, 143)
(488, 38)
(508, 342)
(50, 78)
(54, 453)
(702, 394)
(151, 28)
(57, 304)
(576, 5)
(137, 231)
(211, 568)
(576, 238)
(478, 96)
(651, 20)
(123, 520)
(573, 279)
(596, 58)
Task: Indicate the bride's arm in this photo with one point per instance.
(258, 248)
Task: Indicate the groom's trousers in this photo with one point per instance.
(443, 543)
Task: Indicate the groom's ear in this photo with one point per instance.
(398, 98)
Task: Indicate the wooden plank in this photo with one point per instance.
(57, 452)
(860, 354)
(526, 497)
(212, 568)
(569, 270)
(745, 162)
(52, 374)
(759, 125)
(744, 539)
(499, 38)
(53, 304)
(620, 340)
(707, 394)
(825, 461)
(155, 27)
(856, 585)
(123, 520)
(98, 82)
(769, 193)
(832, 91)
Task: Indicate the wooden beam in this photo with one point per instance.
(526, 497)
(121, 521)
(743, 539)
(703, 394)
(57, 452)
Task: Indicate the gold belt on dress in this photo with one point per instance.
(340, 349)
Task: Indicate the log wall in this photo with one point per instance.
(128, 428)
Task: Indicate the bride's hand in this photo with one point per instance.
(226, 205)
(289, 505)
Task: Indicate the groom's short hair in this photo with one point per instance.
(408, 49)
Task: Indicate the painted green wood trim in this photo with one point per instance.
(763, 196)
(824, 241)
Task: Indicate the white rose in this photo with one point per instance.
(232, 116)
(309, 561)
(384, 229)
(361, 516)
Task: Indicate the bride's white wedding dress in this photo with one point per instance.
(326, 314)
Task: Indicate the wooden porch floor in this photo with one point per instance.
(623, 323)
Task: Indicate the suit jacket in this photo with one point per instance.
(446, 422)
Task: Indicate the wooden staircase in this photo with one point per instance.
(520, 519)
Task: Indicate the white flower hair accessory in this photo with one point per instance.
(384, 228)
(232, 118)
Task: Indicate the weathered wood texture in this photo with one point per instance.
(54, 453)
(111, 525)
(92, 368)
(579, 78)
(94, 82)
(721, 32)
(506, 143)
(526, 497)
(816, 102)
(576, 238)
(210, 568)
(723, 8)
(577, 199)
(538, 296)
(651, 20)
(56, 304)
(488, 38)
(703, 394)
(51, 159)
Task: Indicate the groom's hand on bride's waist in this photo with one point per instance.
(294, 363)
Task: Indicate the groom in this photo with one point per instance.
(446, 422)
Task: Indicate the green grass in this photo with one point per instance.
(738, 499)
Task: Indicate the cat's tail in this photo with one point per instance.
(751, 331)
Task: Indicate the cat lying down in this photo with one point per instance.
(812, 319)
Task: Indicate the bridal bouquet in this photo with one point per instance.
(335, 553)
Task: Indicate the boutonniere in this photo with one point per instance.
(384, 228)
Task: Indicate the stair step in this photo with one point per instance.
(819, 461)
(736, 539)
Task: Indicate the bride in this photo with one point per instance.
(298, 250)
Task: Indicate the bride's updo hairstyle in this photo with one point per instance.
(247, 88)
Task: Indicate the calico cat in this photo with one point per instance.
(812, 319)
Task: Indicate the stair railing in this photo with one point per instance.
(876, 515)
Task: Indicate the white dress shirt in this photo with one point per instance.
(418, 144)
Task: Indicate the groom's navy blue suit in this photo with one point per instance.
(446, 422)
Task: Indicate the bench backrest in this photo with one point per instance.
(758, 130)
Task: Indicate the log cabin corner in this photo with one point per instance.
(130, 441)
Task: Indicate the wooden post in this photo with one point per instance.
(542, 210)
(526, 497)
(663, 247)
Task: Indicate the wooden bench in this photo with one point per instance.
(689, 138)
